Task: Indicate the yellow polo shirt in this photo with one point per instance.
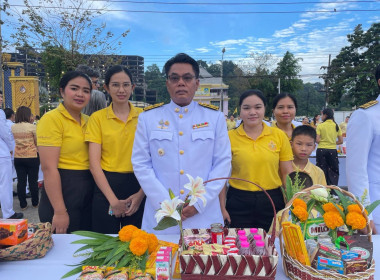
(327, 132)
(314, 172)
(274, 124)
(115, 136)
(57, 128)
(258, 160)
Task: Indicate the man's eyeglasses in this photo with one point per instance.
(174, 78)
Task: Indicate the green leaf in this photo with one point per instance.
(115, 259)
(372, 206)
(343, 199)
(83, 248)
(340, 212)
(171, 194)
(88, 241)
(124, 261)
(319, 208)
(289, 187)
(122, 248)
(92, 234)
(165, 223)
(109, 244)
(112, 253)
(73, 272)
(102, 255)
(142, 264)
(310, 205)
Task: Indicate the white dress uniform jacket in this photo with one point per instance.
(363, 155)
(172, 141)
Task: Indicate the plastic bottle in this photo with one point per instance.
(256, 237)
(244, 248)
(260, 249)
(252, 232)
(241, 238)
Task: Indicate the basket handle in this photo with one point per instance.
(307, 191)
(273, 235)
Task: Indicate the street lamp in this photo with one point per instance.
(221, 82)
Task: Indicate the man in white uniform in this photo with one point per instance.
(179, 138)
(363, 153)
(6, 184)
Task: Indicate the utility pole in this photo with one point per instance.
(221, 82)
(279, 85)
(326, 78)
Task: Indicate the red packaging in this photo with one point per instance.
(13, 231)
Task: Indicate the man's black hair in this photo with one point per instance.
(182, 58)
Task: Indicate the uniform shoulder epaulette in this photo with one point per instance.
(153, 106)
(216, 108)
(368, 104)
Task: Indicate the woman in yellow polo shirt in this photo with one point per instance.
(329, 135)
(284, 110)
(66, 197)
(118, 199)
(259, 152)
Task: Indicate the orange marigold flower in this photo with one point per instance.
(140, 233)
(125, 234)
(333, 219)
(152, 242)
(328, 207)
(138, 246)
(355, 208)
(355, 220)
(300, 203)
(300, 213)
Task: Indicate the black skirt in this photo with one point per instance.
(77, 191)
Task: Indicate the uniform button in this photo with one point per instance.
(180, 116)
(181, 172)
(181, 152)
(180, 133)
(186, 110)
(176, 110)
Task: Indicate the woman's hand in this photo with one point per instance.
(60, 222)
(226, 216)
(119, 208)
(133, 203)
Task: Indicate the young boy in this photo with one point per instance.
(303, 144)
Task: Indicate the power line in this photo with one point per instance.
(196, 12)
(233, 3)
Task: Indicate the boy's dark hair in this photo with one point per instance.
(8, 113)
(182, 58)
(304, 130)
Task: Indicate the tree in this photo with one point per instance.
(68, 28)
(309, 100)
(351, 74)
(287, 70)
(155, 79)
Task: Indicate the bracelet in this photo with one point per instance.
(60, 212)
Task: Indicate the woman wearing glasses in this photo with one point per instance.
(110, 132)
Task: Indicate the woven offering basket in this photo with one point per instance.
(33, 248)
(206, 267)
(297, 271)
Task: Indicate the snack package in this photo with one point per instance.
(91, 273)
(163, 267)
(315, 227)
(139, 275)
(330, 264)
(326, 252)
(13, 231)
(117, 274)
(361, 245)
(354, 266)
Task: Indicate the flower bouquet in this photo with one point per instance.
(344, 212)
(130, 248)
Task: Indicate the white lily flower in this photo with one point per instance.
(320, 194)
(197, 189)
(169, 209)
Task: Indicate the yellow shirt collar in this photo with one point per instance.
(133, 113)
(266, 131)
(61, 108)
(307, 169)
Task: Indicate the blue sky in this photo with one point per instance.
(308, 34)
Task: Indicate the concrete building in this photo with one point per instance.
(210, 89)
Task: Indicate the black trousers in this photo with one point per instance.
(252, 209)
(327, 160)
(123, 185)
(77, 191)
(27, 169)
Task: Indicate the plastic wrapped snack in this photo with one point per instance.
(117, 274)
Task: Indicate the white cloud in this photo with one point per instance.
(202, 50)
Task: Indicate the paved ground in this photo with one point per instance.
(30, 213)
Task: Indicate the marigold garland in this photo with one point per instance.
(152, 242)
(299, 203)
(333, 219)
(329, 207)
(125, 234)
(300, 213)
(138, 246)
(355, 208)
(356, 220)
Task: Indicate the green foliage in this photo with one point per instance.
(351, 74)
(155, 80)
(310, 100)
(166, 222)
(372, 206)
(287, 70)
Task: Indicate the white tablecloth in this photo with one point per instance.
(54, 265)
